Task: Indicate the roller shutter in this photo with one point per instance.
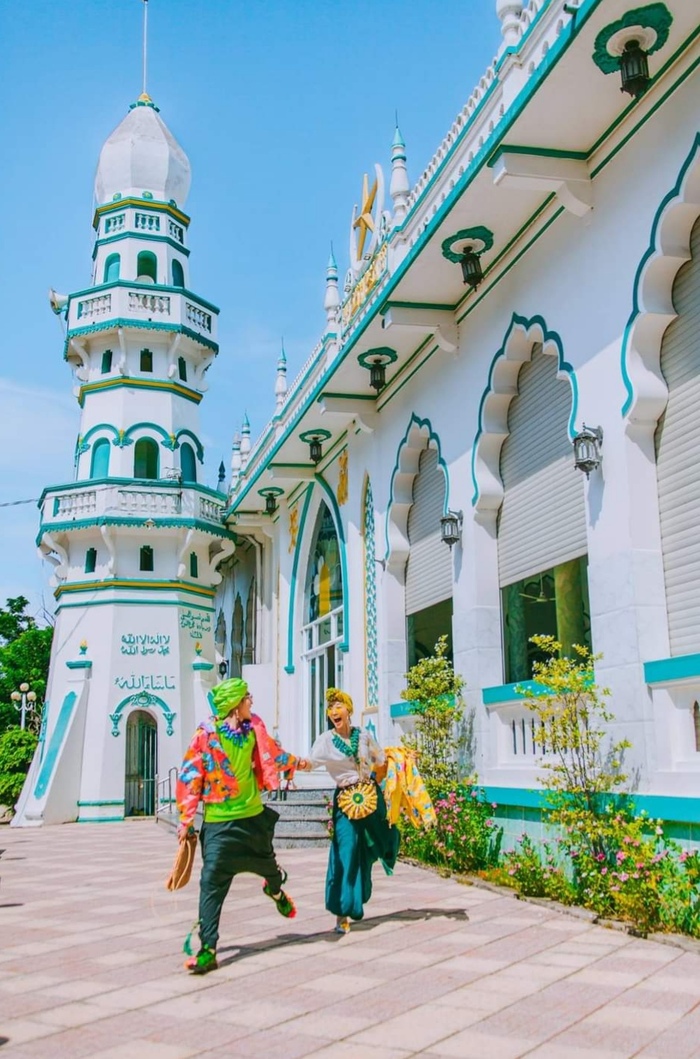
(678, 458)
(542, 521)
(429, 566)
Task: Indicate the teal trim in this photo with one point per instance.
(432, 436)
(509, 692)
(153, 206)
(177, 389)
(80, 663)
(184, 433)
(132, 603)
(390, 304)
(403, 375)
(289, 668)
(653, 250)
(547, 336)
(84, 439)
(116, 801)
(137, 325)
(211, 528)
(147, 288)
(654, 16)
(539, 152)
(665, 670)
(143, 700)
(355, 396)
(335, 512)
(478, 234)
(57, 737)
(100, 820)
(162, 483)
(108, 240)
(167, 440)
(400, 709)
(203, 665)
(666, 807)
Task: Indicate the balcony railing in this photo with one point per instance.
(140, 500)
(142, 303)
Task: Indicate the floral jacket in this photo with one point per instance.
(206, 774)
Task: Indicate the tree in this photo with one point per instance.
(16, 752)
(14, 620)
(435, 694)
(24, 656)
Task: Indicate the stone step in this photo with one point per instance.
(299, 841)
(316, 796)
(300, 810)
(290, 828)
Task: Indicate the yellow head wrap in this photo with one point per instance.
(227, 695)
(334, 695)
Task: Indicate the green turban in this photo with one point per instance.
(226, 695)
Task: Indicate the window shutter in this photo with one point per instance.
(429, 565)
(542, 521)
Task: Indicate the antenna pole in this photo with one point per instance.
(145, 42)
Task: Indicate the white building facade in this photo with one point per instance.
(428, 395)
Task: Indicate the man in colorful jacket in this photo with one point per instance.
(230, 760)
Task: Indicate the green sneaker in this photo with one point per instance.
(284, 903)
(204, 962)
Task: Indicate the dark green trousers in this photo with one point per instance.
(356, 845)
(229, 848)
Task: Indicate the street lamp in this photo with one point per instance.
(23, 700)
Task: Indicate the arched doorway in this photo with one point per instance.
(141, 764)
(323, 614)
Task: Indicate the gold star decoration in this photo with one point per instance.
(364, 222)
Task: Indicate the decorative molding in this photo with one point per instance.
(371, 635)
(289, 668)
(566, 177)
(438, 322)
(133, 383)
(418, 437)
(479, 239)
(351, 409)
(342, 492)
(652, 298)
(143, 700)
(647, 25)
(501, 388)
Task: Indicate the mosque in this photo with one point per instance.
(496, 435)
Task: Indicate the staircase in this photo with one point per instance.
(303, 817)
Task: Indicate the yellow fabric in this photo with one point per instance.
(336, 695)
(404, 790)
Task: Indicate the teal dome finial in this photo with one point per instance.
(332, 265)
(245, 429)
(282, 359)
(398, 140)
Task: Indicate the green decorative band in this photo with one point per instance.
(80, 663)
(154, 205)
(93, 805)
(138, 384)
(537, 152)
(474, 236)
(137, 325)
(271, 490)
(654, 22)
(381, 355)
(66, 605)
(666, 807)
(108, 240)
(315, 435)
(400, 709)
(511, 692)
(202, 665)
(391, 304)
(664, 670)
(148, 586)
(116, 520)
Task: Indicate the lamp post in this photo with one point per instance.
(23, 700)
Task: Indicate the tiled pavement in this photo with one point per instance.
(90, 965)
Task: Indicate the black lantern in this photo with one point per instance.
(471, 268)
(270, 504)
(377, 375)
(451, 528)
(587, 449)
(634, 69)
(315, 449)
(223, 668)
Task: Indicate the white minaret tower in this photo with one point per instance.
(137, 538)
(399, 188)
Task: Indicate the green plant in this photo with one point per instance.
(465, 837)
(534, 872)
(16, 751)
(435, 693)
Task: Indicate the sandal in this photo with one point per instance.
(204, 962)
(342, 925)
(285, 905)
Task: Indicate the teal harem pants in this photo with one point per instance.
(355, 846)
(229, 848)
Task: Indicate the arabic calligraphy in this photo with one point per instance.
(145, 644)
(145, 682)
(198, 624)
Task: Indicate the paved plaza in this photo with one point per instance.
(91, 965)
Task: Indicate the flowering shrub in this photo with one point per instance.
(533, 870)
(465, 837)
(328, 802)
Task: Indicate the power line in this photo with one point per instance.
(15, 503)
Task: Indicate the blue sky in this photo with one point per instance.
(281, 105)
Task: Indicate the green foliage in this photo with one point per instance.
(14, 620)
(534, 872)
(24, 656)
(435, 693)
(16, 752)
(465, 837)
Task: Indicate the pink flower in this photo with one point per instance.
(603, 871)
(488, 823)
(512, 871)
(627, 840)
(623, 876)
(494, 805)
(600, 856)
(620, 856)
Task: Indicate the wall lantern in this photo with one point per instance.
(314, 439)
(223, 668)
(471, 268)
(634, 69)
(587, 445)
(451, 528)
(270, 493)
(376, 362)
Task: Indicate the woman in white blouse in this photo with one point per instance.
(361, 832)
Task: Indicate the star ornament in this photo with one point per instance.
(365, 222)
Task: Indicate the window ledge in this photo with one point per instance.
(507, 693)
(673, 670)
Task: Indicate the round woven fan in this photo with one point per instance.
(358, 801)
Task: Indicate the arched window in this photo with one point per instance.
(111, 273)
(323, 618)
(146, 558)
(99, 462)
(146, 267)
(106, 366)
(182, 368)
(146, 360)
(178, 275)
(188, 464)
(90, 560)
(194, 565)
(146, 458)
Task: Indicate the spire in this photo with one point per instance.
(399, 187)
(245, 440)
(235, 460)
(331, 302)
(509, 12)
(145, 49)
(222, 477)
(281, 381)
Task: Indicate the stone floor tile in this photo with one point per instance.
(143, 1049)
(558, 1051)
(419, 1028)
(470, 1044)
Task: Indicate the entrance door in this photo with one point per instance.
(141, 758)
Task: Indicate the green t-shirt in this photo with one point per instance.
(248, 801)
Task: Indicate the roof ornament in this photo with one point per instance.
(365, 226)
(281, 380)
(399, 187)
(509, 12)
(245, 441)
(331, 301)
(145, 46)
(235, 460)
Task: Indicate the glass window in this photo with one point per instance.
(146, 558)
(146, 459)
(424, 629)
(324, 582)
(146, 361)
(99, 461)
(90, 560)
(188, 464)
(146, 266)
(106, 362)
(182, 368)
(551, 603)
(111, 273)
(178, 275)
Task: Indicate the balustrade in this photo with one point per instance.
(91, 308)
(176, 232)
(140, 301)
(114, 224)
(149, 222)
(75, 505)
(153, 503)
(198, 317)
(210, 509)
